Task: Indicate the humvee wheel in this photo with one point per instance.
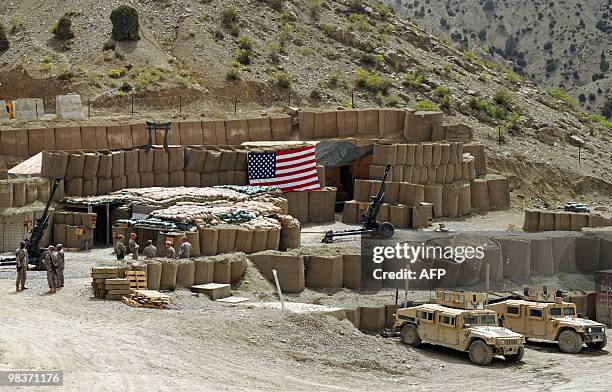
(410, 335)
(515, 357)
(480, 353)
(598, 345)
(570, 342)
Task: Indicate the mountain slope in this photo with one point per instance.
(556, 44)
(320, 53)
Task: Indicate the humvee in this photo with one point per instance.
(469, 330)
(554, 321)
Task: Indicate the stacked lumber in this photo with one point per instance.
(116, 288)
(147, 299)
(99, 275)
(137, 279)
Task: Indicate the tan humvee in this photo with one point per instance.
(469, 330)
(461, 299)
(551, 321)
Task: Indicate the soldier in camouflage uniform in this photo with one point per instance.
(185, 249)
(120, 248)
(150, 251)
(50, 262)
(60, 265)
(21, 255)
(133, 246)
(170, 252)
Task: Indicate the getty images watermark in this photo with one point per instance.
(406, 254)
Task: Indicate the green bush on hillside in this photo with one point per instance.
(125, 24)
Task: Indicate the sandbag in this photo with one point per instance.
(322, 205)
(204, 271)
(177, 178)
(19, 194)
(74, 187)
(54, 164)
(161, 179)
(493, 257)
(194, 159)
(362, 190)
(105, 185)
(169, 271)
(192, 179)
(290, 238)
(272, 239)
(147, 180)
(227, 239)
(427, 154)
(118, 158)
(43, 189)
(587, 254)
(193, 237)
(546, 221)
(176, 159)
(564, 254)
(160, 160)
(131, 157)
(154, 272)
(119, 183)
(212, 161)
(133, 181)
(185, 273)
(209, 238)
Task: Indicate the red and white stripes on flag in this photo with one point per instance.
(290, 170)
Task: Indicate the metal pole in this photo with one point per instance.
(235, 105)
(499, 135)
(88, 107)
(108, 235)
(396, 296)
(289, 98)
(36, 102)
(487, 271)
(180, 104)
(132, 106)
(406, 284)
(352, 99)
(280, 293)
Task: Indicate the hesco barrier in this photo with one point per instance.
(541, 220)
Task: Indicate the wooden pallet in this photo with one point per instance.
(138, 279)
(147, 299)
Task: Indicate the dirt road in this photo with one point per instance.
(204, 345)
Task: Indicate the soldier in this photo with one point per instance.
(170, 252)
(50, 262)
(120, 248)
(185, 249)
(150, 251)
(133, 246)
(60, 265)
(21, 255)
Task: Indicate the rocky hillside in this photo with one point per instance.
(319, 52)
(557, 44)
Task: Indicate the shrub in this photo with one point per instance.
(229, 17)
(125, 24)
(426, 106)
(245, 43)
(243, 56)
(442, 91)
(413, 79)
(16, 23)
(109, 45)
(371, 81)
(232, 75)
(126, 87)
(62, 28)
(315, 94)
(562, 95)
(315, 8)
(116, 73)
(282, 80)
(4, 42)
(502, 97)
(273, 51)
(359, 21)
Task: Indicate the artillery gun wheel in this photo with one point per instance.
(515, 357)
(570, 342)
(480, 353)
(598, 345)
(410, 335)
(384, 230)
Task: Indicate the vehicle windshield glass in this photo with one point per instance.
(485, 319)
(555, 311)
(470, 319)
(568, 311)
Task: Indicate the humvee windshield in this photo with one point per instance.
(567, 311)
(474, 319)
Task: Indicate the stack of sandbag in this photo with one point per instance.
(325, 271)
(290, 236)
(154, 272)
(541, 220)
(289, 268)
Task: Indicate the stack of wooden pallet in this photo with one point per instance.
(147, 299)
(117, 288)
(137, 279)
(99, 275)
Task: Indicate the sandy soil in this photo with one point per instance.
(206, 345)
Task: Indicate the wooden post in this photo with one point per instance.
(280, 293)
(132, 106)
(235, 105)
(487, 282)
(352, 99)
(108, 231)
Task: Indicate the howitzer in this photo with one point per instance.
(368, 219)
(38, 230)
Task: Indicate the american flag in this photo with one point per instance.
(290, 170)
